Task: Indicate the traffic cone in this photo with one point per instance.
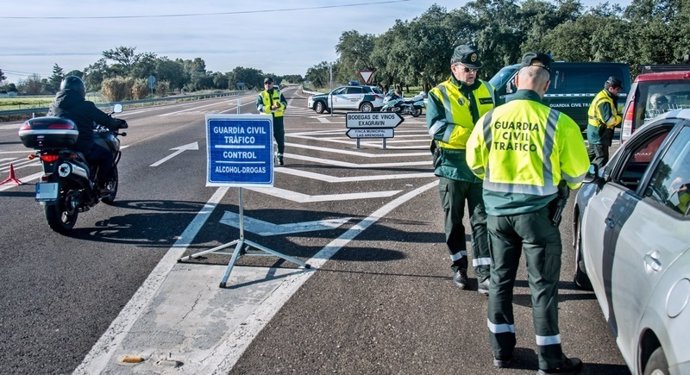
(11, 177)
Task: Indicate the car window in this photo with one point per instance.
(670, 183)
(580, 80)
(660, 97)
(639, 159)
(339, 91)
(354, 90)
(376, 90)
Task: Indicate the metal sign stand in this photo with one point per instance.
(243, 247)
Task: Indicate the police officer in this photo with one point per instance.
(524, 151)
(454, 106)
(271, 101)
(603, 117)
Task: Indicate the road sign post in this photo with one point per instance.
(240, 153)
(372, 125)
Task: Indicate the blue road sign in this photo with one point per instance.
(239, 150)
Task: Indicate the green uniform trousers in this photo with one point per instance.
(509, 236)
(453, 195)
(279, 134)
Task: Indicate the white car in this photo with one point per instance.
(632, 240)
(352, 98)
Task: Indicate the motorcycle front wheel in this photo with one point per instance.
(62, 215)
(112, 187)
(416, 112)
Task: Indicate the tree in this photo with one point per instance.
(2, 76)
(354, 50)
(33, 85)
(124, 59)
(56, 78)
(319, 75)
(172, 72)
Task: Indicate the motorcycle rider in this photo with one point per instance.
(70, 102)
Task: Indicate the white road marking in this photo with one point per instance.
(99, 355)
(265, 228)
(180, 149)
(345, 164)
(306, 198)
(25, 180)
(356, 153)
(332, 179)
(226, 355)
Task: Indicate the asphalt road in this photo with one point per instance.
(384, 303)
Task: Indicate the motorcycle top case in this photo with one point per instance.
(48, 132)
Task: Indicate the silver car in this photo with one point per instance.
(632, 241)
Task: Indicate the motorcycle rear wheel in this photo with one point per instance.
(61, 218)
(112, 186)
(416, 112)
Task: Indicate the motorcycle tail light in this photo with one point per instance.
(49, 158)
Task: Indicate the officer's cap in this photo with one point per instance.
(268, 80)
(614, 82)
(467, 56)
(537, 59)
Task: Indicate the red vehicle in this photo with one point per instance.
(652, 94)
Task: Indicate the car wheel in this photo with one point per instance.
(366, 107)
(657, 364)
(581, 279)
(319, 107)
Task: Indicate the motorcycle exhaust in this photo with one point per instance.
(66, 169)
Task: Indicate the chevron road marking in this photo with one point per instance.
(332, 179)
(265, 228)
(345, 164)
(305, 198)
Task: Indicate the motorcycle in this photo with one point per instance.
(395, 103)
(69, 183)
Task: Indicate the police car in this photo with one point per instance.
(349, 98)
(631, 228)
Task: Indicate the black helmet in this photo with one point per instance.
(74, 83)
(613, 82)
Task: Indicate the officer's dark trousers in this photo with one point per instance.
(598, 154)
(534, 234)
(279, 134)
(453, 195)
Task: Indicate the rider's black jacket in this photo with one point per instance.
(70, 104)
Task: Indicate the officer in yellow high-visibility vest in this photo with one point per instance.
(529, 155)
(603, 117)
(271, 101)
(452, 110)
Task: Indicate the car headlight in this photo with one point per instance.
(677, 298)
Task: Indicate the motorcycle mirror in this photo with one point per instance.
(117, 108)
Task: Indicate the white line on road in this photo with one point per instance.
(180, 149)
(224, 357)
(305, 198)
(97, 359)
(332, 179)
(345, 164)
(356, 153)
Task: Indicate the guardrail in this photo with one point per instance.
(130, 103)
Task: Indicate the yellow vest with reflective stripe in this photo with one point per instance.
(517, 149)
(266, 97)
(594, 113)
(458, 114)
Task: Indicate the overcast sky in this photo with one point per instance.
(279, 37)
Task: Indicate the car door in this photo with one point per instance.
(338, 98)
(354, 96)
(609, 210)
(654, 236)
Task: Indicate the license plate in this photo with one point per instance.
(46, 191)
